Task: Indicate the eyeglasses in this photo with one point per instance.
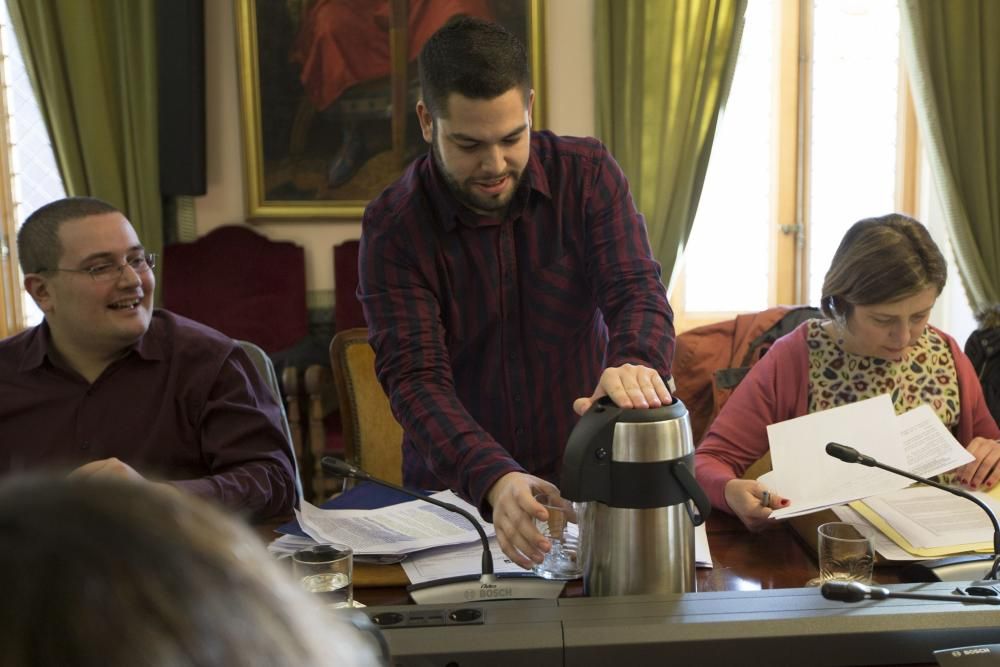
(108, 272)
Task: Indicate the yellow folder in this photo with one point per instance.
(935, 552)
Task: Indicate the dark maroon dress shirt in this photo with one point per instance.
(486, 330)
(185, 405)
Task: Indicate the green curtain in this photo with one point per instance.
(92, 64)
(953, 58)
(663, 74)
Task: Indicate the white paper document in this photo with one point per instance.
(397, 529)
(467, 559)
(804, 473)
(882, 542)
(455, 561)
(286, 545)
(929, 518)
(930, 447)
(702, 554)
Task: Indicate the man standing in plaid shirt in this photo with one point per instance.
(508, 283)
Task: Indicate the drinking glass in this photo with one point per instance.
(846, 552)
(326, 570)
(561, 529)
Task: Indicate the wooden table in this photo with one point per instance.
(744, 561)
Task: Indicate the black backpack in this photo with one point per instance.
(983, 349)
(728, 378)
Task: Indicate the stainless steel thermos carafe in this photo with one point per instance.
(633, 470)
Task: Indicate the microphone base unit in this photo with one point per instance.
(988, 588)
(965, 568)
(484, 588)
(855, 591)
(975, 567)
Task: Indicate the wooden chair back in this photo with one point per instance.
(372, 436)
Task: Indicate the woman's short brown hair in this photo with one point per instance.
(881, 260)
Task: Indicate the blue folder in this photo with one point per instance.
(364, 496)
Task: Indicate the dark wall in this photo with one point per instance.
(180, 27)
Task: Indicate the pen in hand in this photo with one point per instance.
(765, 499)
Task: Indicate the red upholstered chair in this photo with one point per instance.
(346, 307)
(250, 288)
(241, 283)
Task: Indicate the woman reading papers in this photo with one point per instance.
(875, 339)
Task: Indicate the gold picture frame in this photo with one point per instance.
(299, 146)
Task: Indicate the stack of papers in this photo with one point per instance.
(395, 530)
(913, 522)
(884, 545)
(286, 545)
(456, 561)
(812, 480)
(930, 523)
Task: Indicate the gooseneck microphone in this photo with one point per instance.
(486, 586)
(855, 591)
(851, 455)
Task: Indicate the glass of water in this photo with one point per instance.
(846, 552)
(326, 570)
(563, 559)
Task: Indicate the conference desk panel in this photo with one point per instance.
(750, 609)
(770, 628)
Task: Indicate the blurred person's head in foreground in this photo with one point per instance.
(108, 572)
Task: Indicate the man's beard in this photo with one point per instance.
(483, 205)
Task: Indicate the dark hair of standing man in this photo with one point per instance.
(477, 59)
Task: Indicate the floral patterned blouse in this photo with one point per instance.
(925, 374)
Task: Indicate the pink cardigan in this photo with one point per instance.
(777, 388)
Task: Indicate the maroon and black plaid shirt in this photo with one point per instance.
(486, 330)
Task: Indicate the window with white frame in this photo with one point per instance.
(818, 132)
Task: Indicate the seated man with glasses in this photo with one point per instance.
(106, 385)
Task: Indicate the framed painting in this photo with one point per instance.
(328, 90)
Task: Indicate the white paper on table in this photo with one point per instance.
(930, 447)
(396, 529)
(455, 561)
(804, 473)
(467, 559)
(702, 554)
(883, 543)
(929, 518)
(915, 441)
(286, 545)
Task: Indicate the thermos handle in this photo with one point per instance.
(694, 491)
(586, 469)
